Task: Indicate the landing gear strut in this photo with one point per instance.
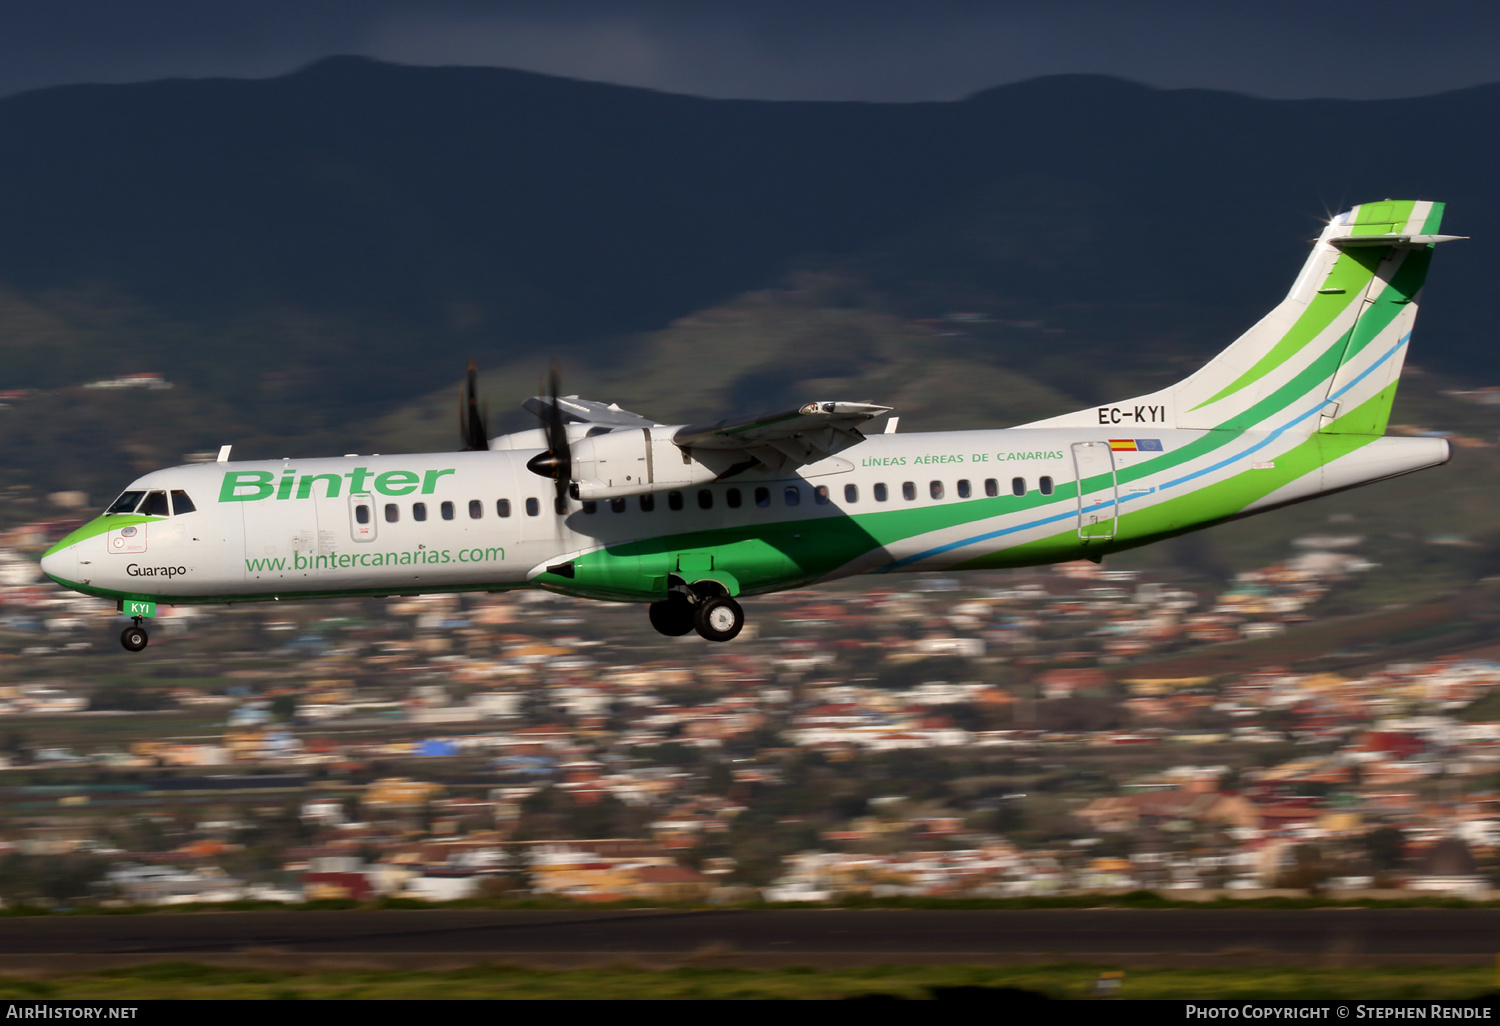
(134, 638)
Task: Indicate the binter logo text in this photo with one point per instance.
(254, 485)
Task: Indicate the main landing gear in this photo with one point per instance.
(134, 638)
(716, 617)
(719, 618)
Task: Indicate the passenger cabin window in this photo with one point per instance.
(820, 495)
(392, 513)
(476, 509)
(880, 493)
(793, 495)
(1018, 486)
(126, 503)
(1045, 484)
(991, 487)
(648, 503)
(181, 503)
(418, 511)
(734, 498)
(963, 489)
(502, 508)
(533, 507)
(156, 505)
(909, 491)
(447, 510)
(705, 499)
(361, 514)
(674, 500)
(851, 493)
(935, 489)
(763, 497)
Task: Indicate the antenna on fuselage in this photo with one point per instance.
(224, 453)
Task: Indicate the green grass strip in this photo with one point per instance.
(191, 981)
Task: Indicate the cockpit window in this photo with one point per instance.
(156, 505)
(126, 503)
(181, 503)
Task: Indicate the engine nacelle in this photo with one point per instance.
(633, 461)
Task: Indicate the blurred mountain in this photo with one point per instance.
(313, 259)
(336, 238)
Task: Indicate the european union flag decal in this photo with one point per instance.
(1148, 445)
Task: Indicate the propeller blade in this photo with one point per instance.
(471, 419)
(557, 443)
(557, 461)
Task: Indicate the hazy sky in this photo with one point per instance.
(779, 49)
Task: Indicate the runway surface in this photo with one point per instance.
(830, 938)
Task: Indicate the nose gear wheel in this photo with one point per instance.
(134, 638)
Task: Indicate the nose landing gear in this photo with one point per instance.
(134, 638)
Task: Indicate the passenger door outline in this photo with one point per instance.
(1098, 507)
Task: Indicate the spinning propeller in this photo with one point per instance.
(471, 417)
(557, 461)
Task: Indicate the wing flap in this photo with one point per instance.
(816, 423)
(785, 438)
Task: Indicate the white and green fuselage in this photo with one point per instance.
(1297, 407)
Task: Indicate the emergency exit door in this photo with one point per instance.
(362, 518)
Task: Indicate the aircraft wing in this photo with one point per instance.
(788, 438)
(586, 411)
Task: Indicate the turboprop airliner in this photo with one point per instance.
(687, 519)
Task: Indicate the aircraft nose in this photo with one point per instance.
(61, 562)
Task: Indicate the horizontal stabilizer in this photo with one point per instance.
(1347, 241)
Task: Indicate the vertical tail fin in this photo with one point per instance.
(1330, 352)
